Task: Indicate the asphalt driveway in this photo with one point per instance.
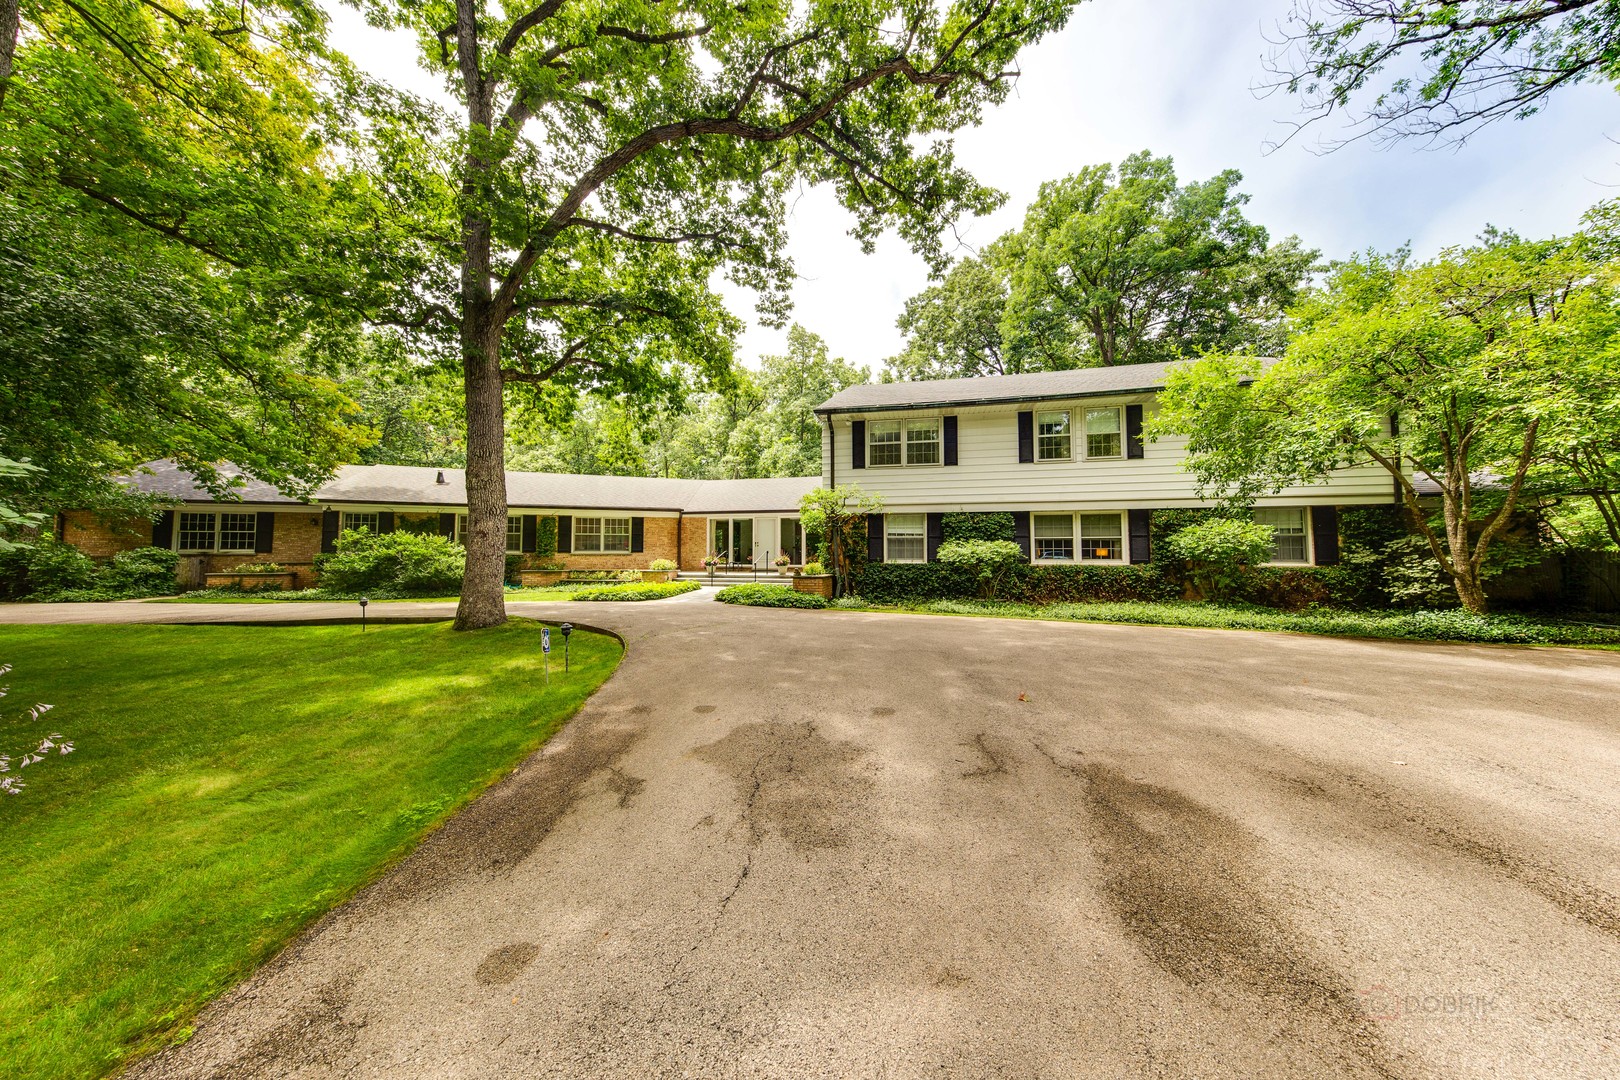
(795, 844)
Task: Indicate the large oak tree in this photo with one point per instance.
(612, 157)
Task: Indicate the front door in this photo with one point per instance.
(732, 539)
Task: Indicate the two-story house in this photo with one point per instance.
(1063, 451)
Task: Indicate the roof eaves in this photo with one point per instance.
(822, 410)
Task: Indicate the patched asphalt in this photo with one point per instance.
(801, 844)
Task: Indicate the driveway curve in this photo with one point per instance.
(782, 843)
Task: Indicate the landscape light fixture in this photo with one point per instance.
(363, 603)
(565, 629)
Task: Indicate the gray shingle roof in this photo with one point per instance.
(408, 485)
(1035, 386)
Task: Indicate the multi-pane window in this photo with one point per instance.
(602, 535)
(368, 521)
(883, 443)
(210, 531)
(514, 533)
(907, 537)
(1288, 533)
(1102, 433)
(1054, 536)
(1052, 436)
(1100, 536)
(922, 442)
(914, 442)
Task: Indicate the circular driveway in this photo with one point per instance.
(796, 844)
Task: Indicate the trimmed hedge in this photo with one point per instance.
(759, 595)
(897, 583)
(997, 525)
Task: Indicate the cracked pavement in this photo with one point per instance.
(784, 843)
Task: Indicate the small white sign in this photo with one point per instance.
(545, 639)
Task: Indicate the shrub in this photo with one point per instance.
(814, 569)
(545, 537)
(1090, 584)
(652, 590)
(662, 564)
(1219, 552)
(396, 562)
(147, 571)
(849, 603)
(989, 561)
(44, 568)
(968, 526)
(259, 568)
(900, 583)
(761, 595)
(514, 566)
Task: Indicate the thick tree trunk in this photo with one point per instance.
(483, 600)
(1469, 589)
(10, 22)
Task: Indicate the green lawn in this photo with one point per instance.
(230, 784)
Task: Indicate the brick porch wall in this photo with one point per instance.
(694, 542)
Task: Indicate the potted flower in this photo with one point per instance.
(710, 561)
(784, 564)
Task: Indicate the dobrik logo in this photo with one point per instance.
(1381, 1002)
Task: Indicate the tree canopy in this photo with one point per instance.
(1475, 61)
(1112, 266)
(1477, 369)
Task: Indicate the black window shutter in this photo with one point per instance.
(330, 520)
(162, 529)
(1325, 534)
(531, 532)
(1026, 439)
(638, 533)
(264, 534)
(1141, 529)
(385, 522)
(1133, 431)
(1021, 526)
(447, 526)
(874, 537)
(950, 441)
(857, 444)
(565, 534)
(936, 533)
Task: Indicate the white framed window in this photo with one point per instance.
(1103, 427)
(370, 521)
(1290, 532)
(910, 442)
(1054, 537)
(906, 538)
(1053, 440)
(207, 530)
(1102, 537)
(514, 533)
(922, 442)
(883, 444)
(602, 535)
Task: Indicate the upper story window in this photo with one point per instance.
(1052, 437)
(1103, 427)
(909, 442)
(906, 537)
(604, 535)
(371, 521)
(1289, 533)
(215, 531)
(514, 533)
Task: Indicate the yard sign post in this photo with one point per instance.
(545, 647)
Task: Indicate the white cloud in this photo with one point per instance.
(1175, 78)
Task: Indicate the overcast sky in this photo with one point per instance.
(1175, 77)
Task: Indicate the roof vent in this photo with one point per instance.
(441, 479)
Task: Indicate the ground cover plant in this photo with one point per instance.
(761, 595)
(229, 785)
(652, 590)
(1422, 625)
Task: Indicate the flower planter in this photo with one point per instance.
(814, 584)
(539, 579)
(657, 575)
(279, 581)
